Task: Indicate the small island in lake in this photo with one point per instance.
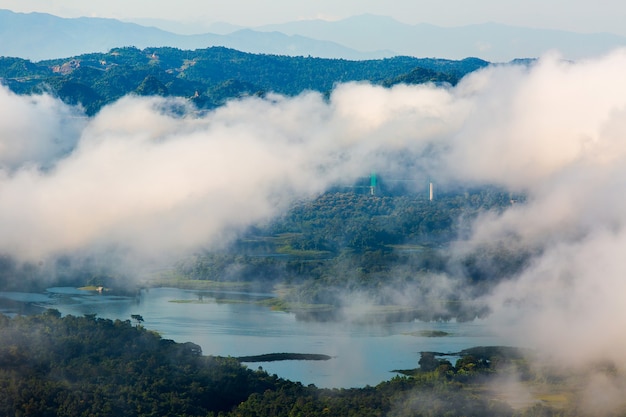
(274, 357)
(429, 333)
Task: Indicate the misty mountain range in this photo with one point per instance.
(39, 36)
(491, 41)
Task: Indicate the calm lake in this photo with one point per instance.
(363, 354)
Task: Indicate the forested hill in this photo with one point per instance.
(211, 76)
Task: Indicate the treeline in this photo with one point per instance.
(87, 366)
(209, 77)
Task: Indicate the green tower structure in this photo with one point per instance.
(373, 183)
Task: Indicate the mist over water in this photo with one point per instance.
(152, 176)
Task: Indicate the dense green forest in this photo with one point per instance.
(211, 76)
(87, 366)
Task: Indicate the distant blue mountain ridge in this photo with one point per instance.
(39, 36)
(489, 41)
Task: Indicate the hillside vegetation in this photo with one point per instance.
(211, 76)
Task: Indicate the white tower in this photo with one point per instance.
(431, 190)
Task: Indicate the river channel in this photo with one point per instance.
(362, 354)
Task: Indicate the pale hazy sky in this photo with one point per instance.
(573, 15)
